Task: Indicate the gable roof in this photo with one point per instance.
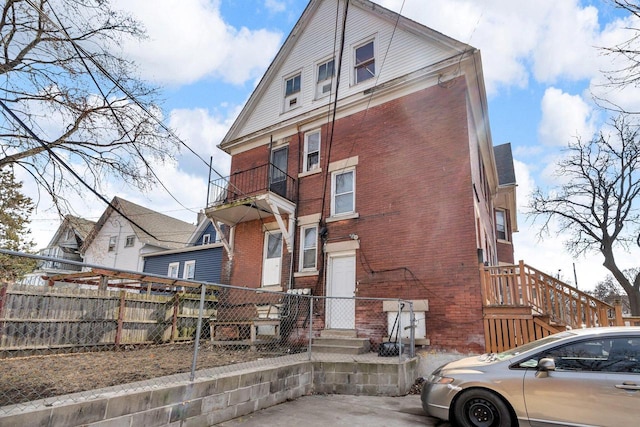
(151, 227)
(80, 226)
(446, 51)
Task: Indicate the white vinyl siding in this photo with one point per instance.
(409, 52)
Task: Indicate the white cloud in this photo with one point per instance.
(188, 40)
(275, 6)
(564, 117)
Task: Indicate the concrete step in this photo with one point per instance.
(338, 349)
(345, 345)
(348, 333)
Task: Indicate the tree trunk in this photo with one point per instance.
(632, 290)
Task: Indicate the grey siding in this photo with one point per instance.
(208, 263)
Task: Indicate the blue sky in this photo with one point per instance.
(540, 65)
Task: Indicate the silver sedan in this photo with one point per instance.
(586, 377)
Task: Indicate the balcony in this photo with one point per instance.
(251, 194)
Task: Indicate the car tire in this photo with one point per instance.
(482, 408)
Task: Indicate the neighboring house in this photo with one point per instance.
(118, 241)
(382, 183)
(200, 260)
(65, 244)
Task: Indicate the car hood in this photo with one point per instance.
(479, 363)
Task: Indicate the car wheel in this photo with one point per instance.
(482, 408)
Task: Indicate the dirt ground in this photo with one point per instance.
(24, 379)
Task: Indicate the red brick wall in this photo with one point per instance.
(416, 220)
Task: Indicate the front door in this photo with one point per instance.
(272, 264)
(341, 289)
(278, 171)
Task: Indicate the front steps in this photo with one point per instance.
(341, 341)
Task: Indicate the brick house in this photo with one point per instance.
(382, 183)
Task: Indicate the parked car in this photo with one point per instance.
(586, 377)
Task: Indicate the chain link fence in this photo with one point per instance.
(106, 328)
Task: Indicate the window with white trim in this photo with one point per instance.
(311, 151)
(309, 245)
(292, 92)
(130, 240)
(113, 240)
(189, 270)
(364, 62)
(324, 80)
(501, 225)
(206, 239)
(343, 192)
(173, 269)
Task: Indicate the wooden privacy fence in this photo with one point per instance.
(43, 318)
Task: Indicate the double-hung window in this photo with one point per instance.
(365, 62)
(311, 151)
(129, 241)
(309, 244)
(292, 91)
(501, 225)
(113, 240)
(206, 239)
(172, 271)
(324, 82)
(343, 192)
(189, 270)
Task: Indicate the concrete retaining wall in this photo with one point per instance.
(208, 401)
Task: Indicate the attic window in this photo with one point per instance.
(292, 92)
(112, 243)
(206, 239)
(130, 241)
(324, 83)
(365, 63)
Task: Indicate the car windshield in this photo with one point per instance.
(532, 345)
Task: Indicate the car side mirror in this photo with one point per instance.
(547, 364)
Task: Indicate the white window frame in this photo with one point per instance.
(364, 64)
(176, 266)
(187, 266)
(293, 99)
(327, 82)
(129, 241)
(206, 239)
(307, 152)
(334, 175)
(113, 241)
(303, 248)
(503, 214)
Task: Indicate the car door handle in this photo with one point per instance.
(628, 386)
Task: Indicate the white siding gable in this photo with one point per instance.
(398, 51)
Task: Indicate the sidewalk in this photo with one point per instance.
(341, 410)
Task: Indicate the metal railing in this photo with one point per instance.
(80, 337)
(251, 182)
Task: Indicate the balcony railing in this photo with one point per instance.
(251, 182)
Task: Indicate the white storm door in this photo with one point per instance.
(341, 313)
(272, 264)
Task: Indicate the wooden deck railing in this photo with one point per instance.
(524, 286)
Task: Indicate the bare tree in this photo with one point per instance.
(597, 204)
(610, 291)
(79, 101)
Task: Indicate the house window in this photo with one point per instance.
(501, 225)
(365, 64)
(311, 151)
(309, 245)
(343, 194)
(112, 243)
(189, 270)
(326, 71)
(173, 269)
(292, 92)
(206, 239)
(130, 241)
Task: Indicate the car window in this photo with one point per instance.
(595, 355)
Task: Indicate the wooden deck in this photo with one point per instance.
(522, 304)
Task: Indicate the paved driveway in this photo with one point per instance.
(341, 410)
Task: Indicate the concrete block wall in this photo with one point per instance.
(209, 401)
